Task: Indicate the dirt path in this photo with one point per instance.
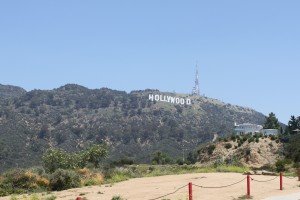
(151, 188)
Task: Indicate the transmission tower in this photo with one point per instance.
(196, 88)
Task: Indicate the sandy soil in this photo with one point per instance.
(151, 188)
(295, 196)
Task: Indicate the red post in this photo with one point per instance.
(248, 186)
(190, 191)
(281, 181)
(78, 198)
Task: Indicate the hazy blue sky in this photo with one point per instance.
(248, 51)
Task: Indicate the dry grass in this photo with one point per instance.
(89, 177)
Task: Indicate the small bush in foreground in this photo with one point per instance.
(19, 181)
(52, 197)
(245, 197)
(89, 178)
(116, 176)
(64, 179)
(281, 165)
(55, 159)
(117, 198)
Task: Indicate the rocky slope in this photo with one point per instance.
(72, 117)
(255, 153)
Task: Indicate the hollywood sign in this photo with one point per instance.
(170, 99)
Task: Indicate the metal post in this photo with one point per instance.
(248, 186)
(190, 191)
(281, 183)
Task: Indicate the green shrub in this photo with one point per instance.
(160, 158)
(64, 179)
(251, 139)
(247, 152)
(211, 149)
(20, 181)
(55, 159)
(13, 198)
(115, 176)
(179, 162)
(228, 145)
(117, 198)
(233, 161)
(240, 143)
(280, 166)
(39, 170)
(34, 197)
(95, 154)
(122, 162)
(273, 137)
(52, 197)
(218, 162)
(296, 165)
(271, 144)
(268, 167)
(233, 138)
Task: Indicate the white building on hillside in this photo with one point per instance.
(270, 131)
(247, 128)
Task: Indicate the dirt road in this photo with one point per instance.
(154, 187)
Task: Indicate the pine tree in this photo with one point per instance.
(272, 122)
(293, 124)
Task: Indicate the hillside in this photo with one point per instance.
(254, 152)
(72, 117)
(9, 91)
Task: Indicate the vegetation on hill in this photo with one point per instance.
(73, 117)
(293, 125)
(292, 140)
(62, 170)
(272, 122)
(275, 152)
(255, 151)
(9, 91)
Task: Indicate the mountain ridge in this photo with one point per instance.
(72, 117)
(10, 91)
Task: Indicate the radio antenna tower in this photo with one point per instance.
(196, 88)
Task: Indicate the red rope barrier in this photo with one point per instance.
(248, 182)
(169, 193)
(218, 187)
